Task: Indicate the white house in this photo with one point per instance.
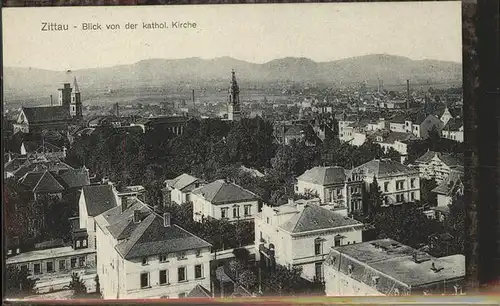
(179, 189)
(334, 185)
(446, 191)
(94, 200)
(386, 267)
(454, 130)
(398, 183)
(346, 130)
(301, 234)
(421, 124)
(221, 199)
(140, 254)
(437, 165)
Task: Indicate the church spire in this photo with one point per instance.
(234, 112)
(75, 86)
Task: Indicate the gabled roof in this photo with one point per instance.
(39, 146)
(324, 175)
(199, 292)
(454, 124)
(182, 181)
(314, 217)
(384, 167)
(14, 164)
(98, 199)
(221, 192)
(151, 237)
(450, 185)
(398, 136)
(449, 159)
(75, 177)
(46, 114)
(41, 182)
(240, 291)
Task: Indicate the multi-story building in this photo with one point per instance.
(454, 130)
(398, 183)
(334, 185)
(386, 267)
(140, 254)
(223, 200)
(437, 165)
(94, 200)
(422, 124)
(301, 233)
(178, 190)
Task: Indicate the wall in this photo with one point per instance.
(339, 284)
(434, 169)
(205, 208)
(397, 127)
(391, 192)
(443, 200)
(173, 288)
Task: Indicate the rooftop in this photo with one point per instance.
(384, 168)
(182, 181)
(449, 159)
(222, 192)
(46, 114)
(99, 198)
(47, 254)
(324, 175)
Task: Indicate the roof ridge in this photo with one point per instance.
(143, 227)
(46, 171)
(223, 182)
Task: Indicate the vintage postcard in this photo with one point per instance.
(223, 151)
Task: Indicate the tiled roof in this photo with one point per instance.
(182, 181)
(30, 179)
(151, 237)
(75, 177)
(398, 136)
(48, 183)
(313, 217)
(98, 199)
(199, 292)
(39, 146)
(46, 114)
(454, 124)
(449, 159)
(385, 167)
(324, 175)
(449, 185)
(221, 192)
(14, 164)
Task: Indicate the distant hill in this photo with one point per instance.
(32, 82)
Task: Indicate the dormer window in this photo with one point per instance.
(144, 261)
(350, 268)
(198, 253)
(163, 258)
(181, 255)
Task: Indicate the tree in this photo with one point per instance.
(374, 199)
(77, 285)
(427, 196)
(17, 282)
(282, 280)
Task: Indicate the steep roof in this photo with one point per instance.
(221, 192)
(98, 199)
(75, 177)
(199, 292)
(314, 217)
(324, 175)
(449, 185)
(46, 114)
(454, 124)
(182, 181)
(151, 237)
(48, 183)
(449, 159)
(39, 146)
(385, 167)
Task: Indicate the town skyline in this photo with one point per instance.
(316, 31)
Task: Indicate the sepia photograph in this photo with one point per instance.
(233, 151)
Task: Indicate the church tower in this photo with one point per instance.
(76, 102)
(233, 105)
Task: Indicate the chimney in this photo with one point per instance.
(166, 219)
(117, 110)
(378, 85)
(193, 98)
(124, 203)
(137, 216)
(51, 103)
(407, 93)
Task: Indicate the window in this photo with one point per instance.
(181, 274)
(267, 220)
(236, 212)
(78, 243)
(386, 186)
(163, 258)
(73, 262)
(24, 267)
(338, 241)
(223, 212)
(144, 280)
(50, 266)
(412, 183)
(9, 252)
(317, 246)
(319, 271)
(198, 271)
(198, 253)
(37, 268)
(181, 255)
(62, 265)
(349, 269)
(81, 261)
(163, 277)
(412, 196)
(248, 209)
(400, 185)
(144, 261)
(95, 243)
(84, 243)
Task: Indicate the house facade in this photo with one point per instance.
(140, 254)
(178, 190)
(224, 200)
(454, 130)
(386, 267)
(301, 234)
(334, 185)
(398, 183)
(437, 165)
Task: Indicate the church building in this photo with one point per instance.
(58, 117)
(233, 105)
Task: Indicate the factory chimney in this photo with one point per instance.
(407, 93)
(193, 99)
(117, 110)
(51, 103)
(378, 85)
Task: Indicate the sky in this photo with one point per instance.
(256, 33)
